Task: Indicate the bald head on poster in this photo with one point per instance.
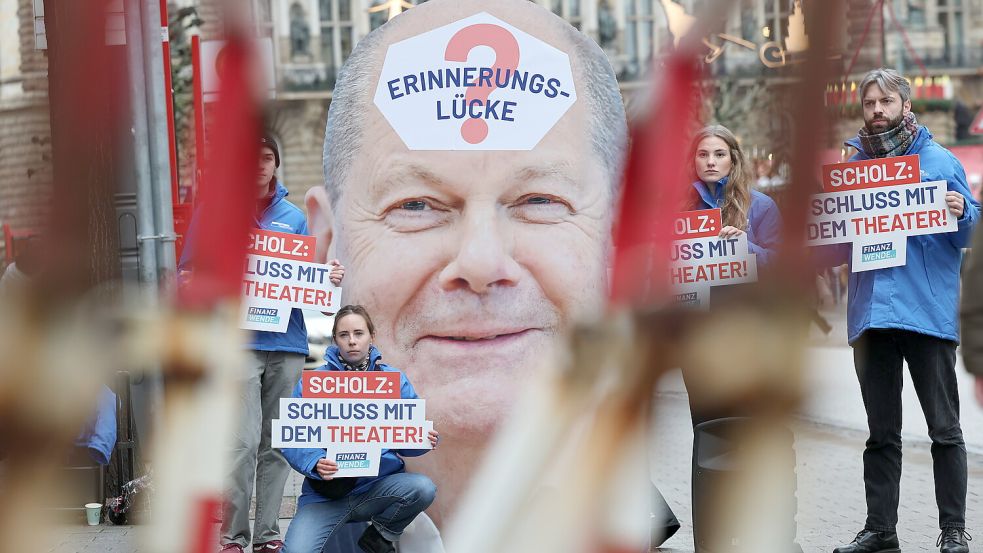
(472, 158)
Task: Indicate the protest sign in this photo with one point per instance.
(280, 275)
(700, 259)
(475, 84)
(875, 205)
(353, 416)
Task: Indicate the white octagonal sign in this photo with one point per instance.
(475, 84)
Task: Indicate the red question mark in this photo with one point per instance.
(506, 57)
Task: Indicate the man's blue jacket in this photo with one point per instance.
(923, 295)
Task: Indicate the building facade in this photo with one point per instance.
(937, 42)
(25, 131)
(934, 41)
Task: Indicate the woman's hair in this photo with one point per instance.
(353, 310)
(737, 193)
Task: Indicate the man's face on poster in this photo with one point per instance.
(472, 262)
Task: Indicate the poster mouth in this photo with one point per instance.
(469, 342)
(479, 338)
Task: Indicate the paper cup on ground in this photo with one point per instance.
(92, 513)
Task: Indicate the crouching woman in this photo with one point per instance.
(391, 500)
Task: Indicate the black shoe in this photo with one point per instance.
(868, 541)
(953, 540)
(373, 542)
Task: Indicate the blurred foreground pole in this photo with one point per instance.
(192, 444)
(49, 372)
(746, 355)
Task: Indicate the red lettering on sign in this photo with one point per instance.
(900, 222)
(711, 273)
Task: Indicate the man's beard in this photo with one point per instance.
(891, 123)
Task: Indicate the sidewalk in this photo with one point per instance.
(835, 394)
(830, 433)
(830, 483)
(830, 489)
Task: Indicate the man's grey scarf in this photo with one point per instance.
(892, 142)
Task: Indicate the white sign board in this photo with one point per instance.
(875, 205)
(475, 84)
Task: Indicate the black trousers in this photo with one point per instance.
(878, 356)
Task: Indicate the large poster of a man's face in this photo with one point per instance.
(472, 260)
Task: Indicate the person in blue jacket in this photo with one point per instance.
(724, 181)
(391, 500)
(276, 360)
(908, 314)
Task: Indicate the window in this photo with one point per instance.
(571, 10)
(337, 35)
(916, 12)
(750, 24)
(262, 13)
(776, 18)
(640, 35)
(950, 18)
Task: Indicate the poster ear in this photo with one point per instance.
(320, 221)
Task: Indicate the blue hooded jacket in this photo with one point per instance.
(923, 295)
(304, 460)
(764, 220)
(279, 216)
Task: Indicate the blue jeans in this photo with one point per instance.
(390, 504)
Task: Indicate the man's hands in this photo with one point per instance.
(337, 272)
(956, 202)
(979, 390)
(434, 438)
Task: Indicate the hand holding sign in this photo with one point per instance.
(326, 468)
(354, 416)
(956, 202)
(280, 275)
(337, 272)
(730, 232)
(707, 254)
(876, 205)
